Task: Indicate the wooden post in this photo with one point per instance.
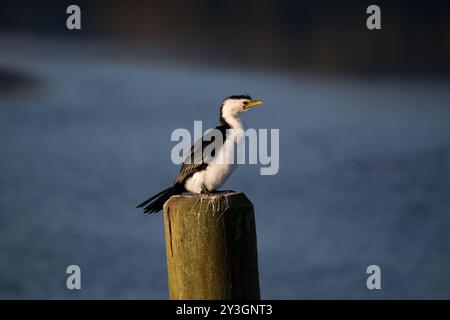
(211, 247)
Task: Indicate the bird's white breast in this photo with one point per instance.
(218, 170)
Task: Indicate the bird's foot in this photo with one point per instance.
(213, 192)
(226, 191)
(206, 191)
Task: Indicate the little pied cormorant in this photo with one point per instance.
(206, 176)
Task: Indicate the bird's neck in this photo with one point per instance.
(232, 121)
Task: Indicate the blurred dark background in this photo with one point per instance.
(86, 118)
(325, 36)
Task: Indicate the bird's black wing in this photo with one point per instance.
(195, 160)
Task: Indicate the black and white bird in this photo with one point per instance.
(209, 173)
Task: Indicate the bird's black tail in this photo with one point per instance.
(156, 203)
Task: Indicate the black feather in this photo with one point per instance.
(156, 203)
(238, 97)
(193, 165)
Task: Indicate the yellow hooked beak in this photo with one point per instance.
(252, 104)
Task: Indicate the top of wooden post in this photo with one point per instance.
(223, 200)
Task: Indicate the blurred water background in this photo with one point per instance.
(85, 125)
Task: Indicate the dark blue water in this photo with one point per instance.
(364, 176)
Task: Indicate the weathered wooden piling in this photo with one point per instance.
(211, 247)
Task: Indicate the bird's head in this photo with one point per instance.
(233, 105)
